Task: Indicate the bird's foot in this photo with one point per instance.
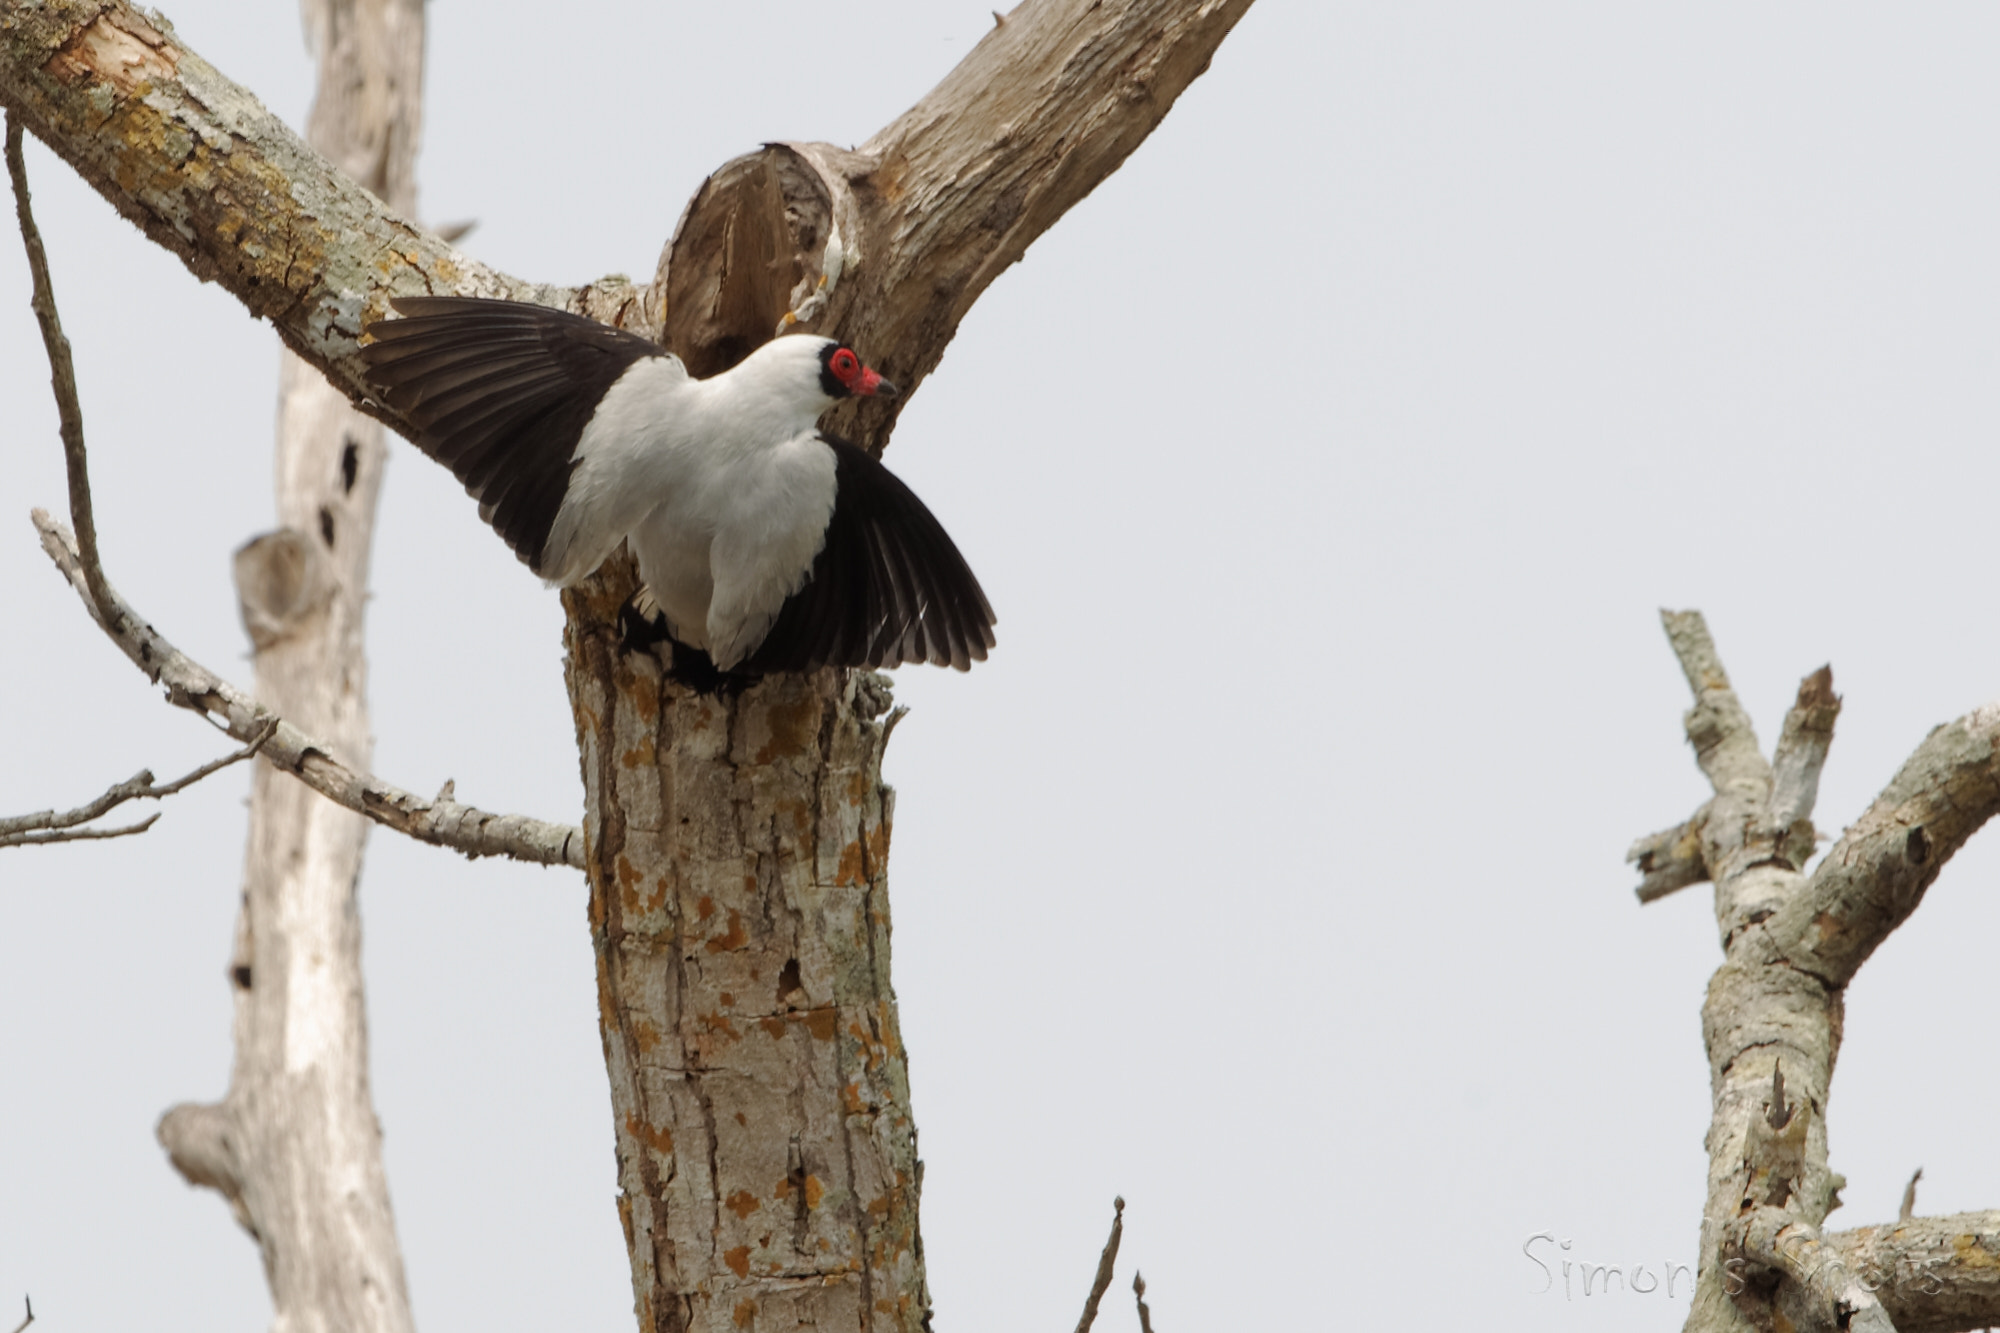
(697, 670)
(642, 629)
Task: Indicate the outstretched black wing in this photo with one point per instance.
(888, 587)
(499, 392)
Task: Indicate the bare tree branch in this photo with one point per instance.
(1932, 1274)
(1833, 1292)
(51, 826)
(1106, 1262)
(1725, 743)
(1875, 876)
(1909, 1207)
(31, 1315)
(1670, 860)
(1802, 749)
(1139, 1295)
(62, 376)
(30, 839)
(1772, 1017)
(193, 686)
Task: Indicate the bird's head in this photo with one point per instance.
(796, 378)
(842, 375)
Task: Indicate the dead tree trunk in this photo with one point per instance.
(1772, 1019)
(295, 1145)
(736, 847)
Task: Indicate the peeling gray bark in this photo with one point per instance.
(1774, 1011)
(736, 848)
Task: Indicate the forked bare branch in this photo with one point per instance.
(63, 826)
(189, 684)
(192, 686)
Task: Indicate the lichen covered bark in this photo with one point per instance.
(739, 910)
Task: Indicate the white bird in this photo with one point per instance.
(763, 541)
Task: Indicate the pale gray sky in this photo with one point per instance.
(1327, 469)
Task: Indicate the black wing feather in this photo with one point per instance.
(888, 586)
(499, 392)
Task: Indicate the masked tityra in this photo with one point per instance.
(762, 540)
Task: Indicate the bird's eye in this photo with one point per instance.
(845, 363)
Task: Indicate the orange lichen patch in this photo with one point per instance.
(628, 879)
(705, 908)
(871, 1050)
(121, 49)
(892, 1039)
(746, 1314)
(642, 694)
(1970, 1253)
(798, 812)
(774, 1028)
(646, 1035)
(728, 1001)
(607, 1007)
(742, 1203)
(821, 1023)
(857, 786)
(794, 727)
(738, 1260)
(639, 756)
(850, 1099)
(625, 1217)
(879, 1206)
(720, 1022)
(814, 1191)
(742, 1119)
(736, 937)
(659, 1140)
(863, 855)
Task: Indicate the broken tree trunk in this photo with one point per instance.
(295, 1146)
(736, 845)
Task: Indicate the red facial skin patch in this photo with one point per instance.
(847, 368)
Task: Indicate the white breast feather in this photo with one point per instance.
(626, 459)
(765, 543)
(722, 486)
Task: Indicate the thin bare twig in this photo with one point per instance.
(194, 687)
(1139, 1295)
(1105, 1263)
(61, 826)
(62, 377)
(1909, 1207)
(31, 1315)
